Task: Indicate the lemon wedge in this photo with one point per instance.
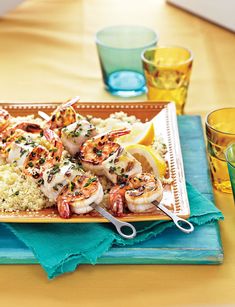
(151, 161)
(141, 133)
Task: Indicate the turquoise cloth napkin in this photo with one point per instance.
(60, 248)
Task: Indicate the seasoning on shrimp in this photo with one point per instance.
(96, 150)
(63, 116)
(79, 195)
(137, 194)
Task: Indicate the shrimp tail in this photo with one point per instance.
(63, 116)
(50, 135)
(4, 119)
(29, 127)
(117, 206)
(117, 200)
(118, 132)
(64, 209)
(54, 140)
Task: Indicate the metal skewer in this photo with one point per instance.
(118, 224)
(71, 101)
(188, 226)
(44, 115)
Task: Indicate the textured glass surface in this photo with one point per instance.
(167, 71)
(119, 49)
(220, 131)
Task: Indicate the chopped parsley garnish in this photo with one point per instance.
(55, 169)
(97, 151)
(41, 181)
(21, 138)
(42, 161)
(112, 169)
(55, 187)
(89, 181)
(76, 132)
(22, 152)
(52, 172)
(31, 143)
(89, 131)
(72, 186)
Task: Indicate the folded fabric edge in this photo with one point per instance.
(72, 261)
(213, 210)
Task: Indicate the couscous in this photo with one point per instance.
(19, 192)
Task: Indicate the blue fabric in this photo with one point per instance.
(60, 248)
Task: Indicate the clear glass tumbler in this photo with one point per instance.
(119, 49)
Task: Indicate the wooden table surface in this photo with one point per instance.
(47, 53)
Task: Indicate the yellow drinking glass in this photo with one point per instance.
(220, 131)
(167, 71)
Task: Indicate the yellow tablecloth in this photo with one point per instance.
(47, 53)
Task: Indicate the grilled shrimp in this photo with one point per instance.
(143, 189)
(12, 133)
(40, 158)
(19, 131)
(4, 119)
(7, 141)
(17, 149)
(23, 127)
(74, 135)
(36, 161)
(18, 145)
(138, 194)
(63, 116)
(96, 150)
(28, 127)
(56, 144)
(18, 140)
(78, 195)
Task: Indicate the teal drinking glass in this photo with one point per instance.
(230, 157)
(119, 49)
